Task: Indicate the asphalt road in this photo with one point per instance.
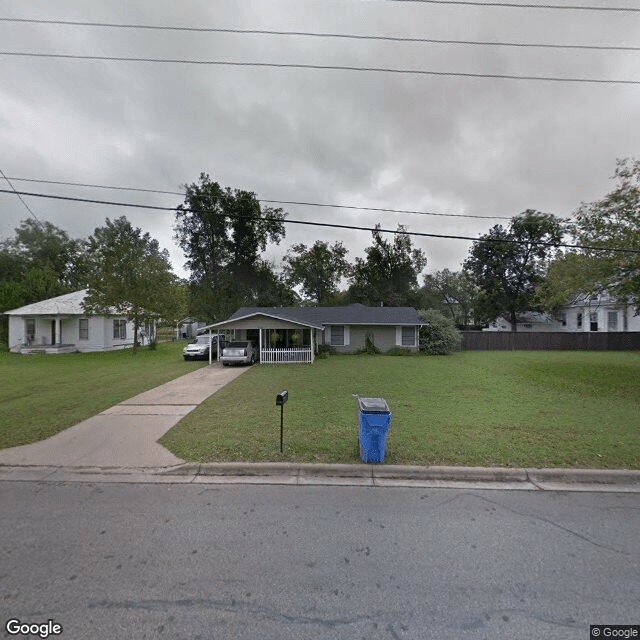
(278, 562)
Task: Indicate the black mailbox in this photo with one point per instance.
(282, 397)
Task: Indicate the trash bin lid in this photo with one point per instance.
(373, 405)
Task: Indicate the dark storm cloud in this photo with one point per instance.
(443, 144)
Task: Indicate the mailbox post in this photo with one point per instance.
(281, 398)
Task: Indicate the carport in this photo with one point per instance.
(280, 339)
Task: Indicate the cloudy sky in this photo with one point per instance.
(445, 144)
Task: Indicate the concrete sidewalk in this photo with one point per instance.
(126, 435)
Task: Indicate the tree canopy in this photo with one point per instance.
(317, 269)
(223, 234)
(41, 261)
(508, 265)
(130, 275)
(450, 292)
(389, 273)
(614, 222)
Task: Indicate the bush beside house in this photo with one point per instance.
(438, 335)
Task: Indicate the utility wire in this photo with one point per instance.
(420, 234)
(514, 5)
(13, 190)
(422, 72)
(295, 202)
(347, 36)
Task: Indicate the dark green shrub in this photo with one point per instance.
(438, 336)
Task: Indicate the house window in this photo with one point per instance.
(83, 325)
(119, 329)
(593, 321)
(625, 321)
(408, 336)
(579, 319)
(337, 335)
(31, 329)
(612, 321)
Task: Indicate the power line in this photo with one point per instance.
(311, 34)
(294, 202)
(229, 63)
(514, 5)
(420, 234)
(13, 190)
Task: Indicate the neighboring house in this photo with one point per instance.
(188, 328)
(60, 325)
(293, 334)
(527, 321)
(586, 312)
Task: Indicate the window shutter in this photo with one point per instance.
(398, 336)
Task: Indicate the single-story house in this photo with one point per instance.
(293, 334)
(60, 325)
(585, 312)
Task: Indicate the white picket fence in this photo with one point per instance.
(283, 356)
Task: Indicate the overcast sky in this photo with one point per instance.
(442, 144)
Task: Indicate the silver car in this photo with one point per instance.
(239, 353)
(199, 348)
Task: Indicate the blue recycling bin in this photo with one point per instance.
(374, 417)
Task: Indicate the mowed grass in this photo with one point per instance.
(522, 409)
(40, 395)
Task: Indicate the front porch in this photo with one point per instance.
(48, 349)
(270, 355)
(279, 340)
(284, 346)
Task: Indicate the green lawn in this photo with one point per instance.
(522, 408)
(41, 395)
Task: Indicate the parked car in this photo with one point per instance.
(199, 348)
(243, 352)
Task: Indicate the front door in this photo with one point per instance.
(53, 332)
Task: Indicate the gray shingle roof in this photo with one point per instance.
(69, 304)
(352, 314)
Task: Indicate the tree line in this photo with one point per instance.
(224, 234)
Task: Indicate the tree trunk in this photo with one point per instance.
(514, 321)
(135, 337)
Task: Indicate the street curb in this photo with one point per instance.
(345, 474)
(408, 472)
(585, 476)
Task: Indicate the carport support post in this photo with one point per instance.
(209, 346)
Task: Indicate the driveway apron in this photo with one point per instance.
(126, 435)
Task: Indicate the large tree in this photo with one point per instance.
(450, 292)
(317, 269)
(389, 273)
(614, 223)
(223, 234)
(130, 276)
(49, 248)
(508, 265)
(39, 262)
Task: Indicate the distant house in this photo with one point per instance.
(585, 312)
(60, 325)
(293, 334)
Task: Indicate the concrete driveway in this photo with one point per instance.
(126, 435)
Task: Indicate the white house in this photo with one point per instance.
(586, 312)
(60, 325)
